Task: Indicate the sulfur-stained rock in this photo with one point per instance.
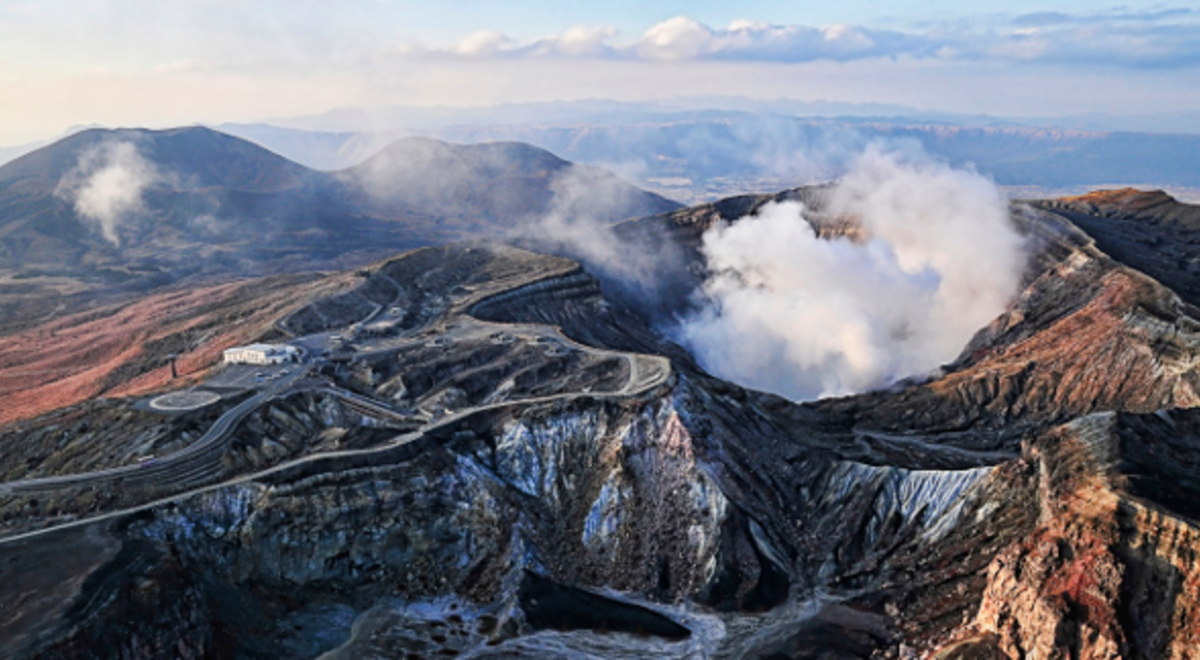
(521, 467)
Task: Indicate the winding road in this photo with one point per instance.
(200, 462)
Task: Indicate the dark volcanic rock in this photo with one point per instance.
(1088, 334)
(548, 605)
(505, 463)
(1147, 230)
(495, 183)
(190, 203)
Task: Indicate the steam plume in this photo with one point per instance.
(574, 223)
(578, 224)
(807, 317)
(106, 185)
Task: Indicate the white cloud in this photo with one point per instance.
(164, 64)
(807, 317)
(1161, 39)
(1044, 18)
(1091, 43)
(482, 43)
(683, 39)
(747, 24)
(677, 38)
(578, 41)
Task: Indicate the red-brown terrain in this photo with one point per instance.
(1127, 200)
(122, 349)
(1087, 335)
(1104, 575)
(515, 465)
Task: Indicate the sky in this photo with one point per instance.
(160, 63)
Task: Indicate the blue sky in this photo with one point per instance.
(167, 62)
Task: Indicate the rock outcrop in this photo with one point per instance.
(520, 466)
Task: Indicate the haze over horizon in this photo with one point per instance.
(118, 63)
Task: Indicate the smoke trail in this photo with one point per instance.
(578, 223)
(806, 317)
(106, 185)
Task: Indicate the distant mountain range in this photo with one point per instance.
(131, 209)
(703, 156)
(521, 467)
(136, 209)
(704, 149)
(600, 112)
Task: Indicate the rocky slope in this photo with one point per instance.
(135, 210)
(122, 349)
(1105, 574)
(1148, 230)
(1087, 334)
(518, 466)
(494, 183)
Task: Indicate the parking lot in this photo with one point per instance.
(248, 376)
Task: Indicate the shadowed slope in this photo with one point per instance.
(106, 211)
(499, 183)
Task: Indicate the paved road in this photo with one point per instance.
(211, 442)
(245, 376)
(200, 461)
(660, 373)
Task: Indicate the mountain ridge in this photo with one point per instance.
(698, 157)
(505, 452)
(133, 209)
(201, 157)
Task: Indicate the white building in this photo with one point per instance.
(261, 354)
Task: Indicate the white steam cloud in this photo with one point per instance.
(574, 224)
(805, 317)
(106, 185)
(582, 221)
